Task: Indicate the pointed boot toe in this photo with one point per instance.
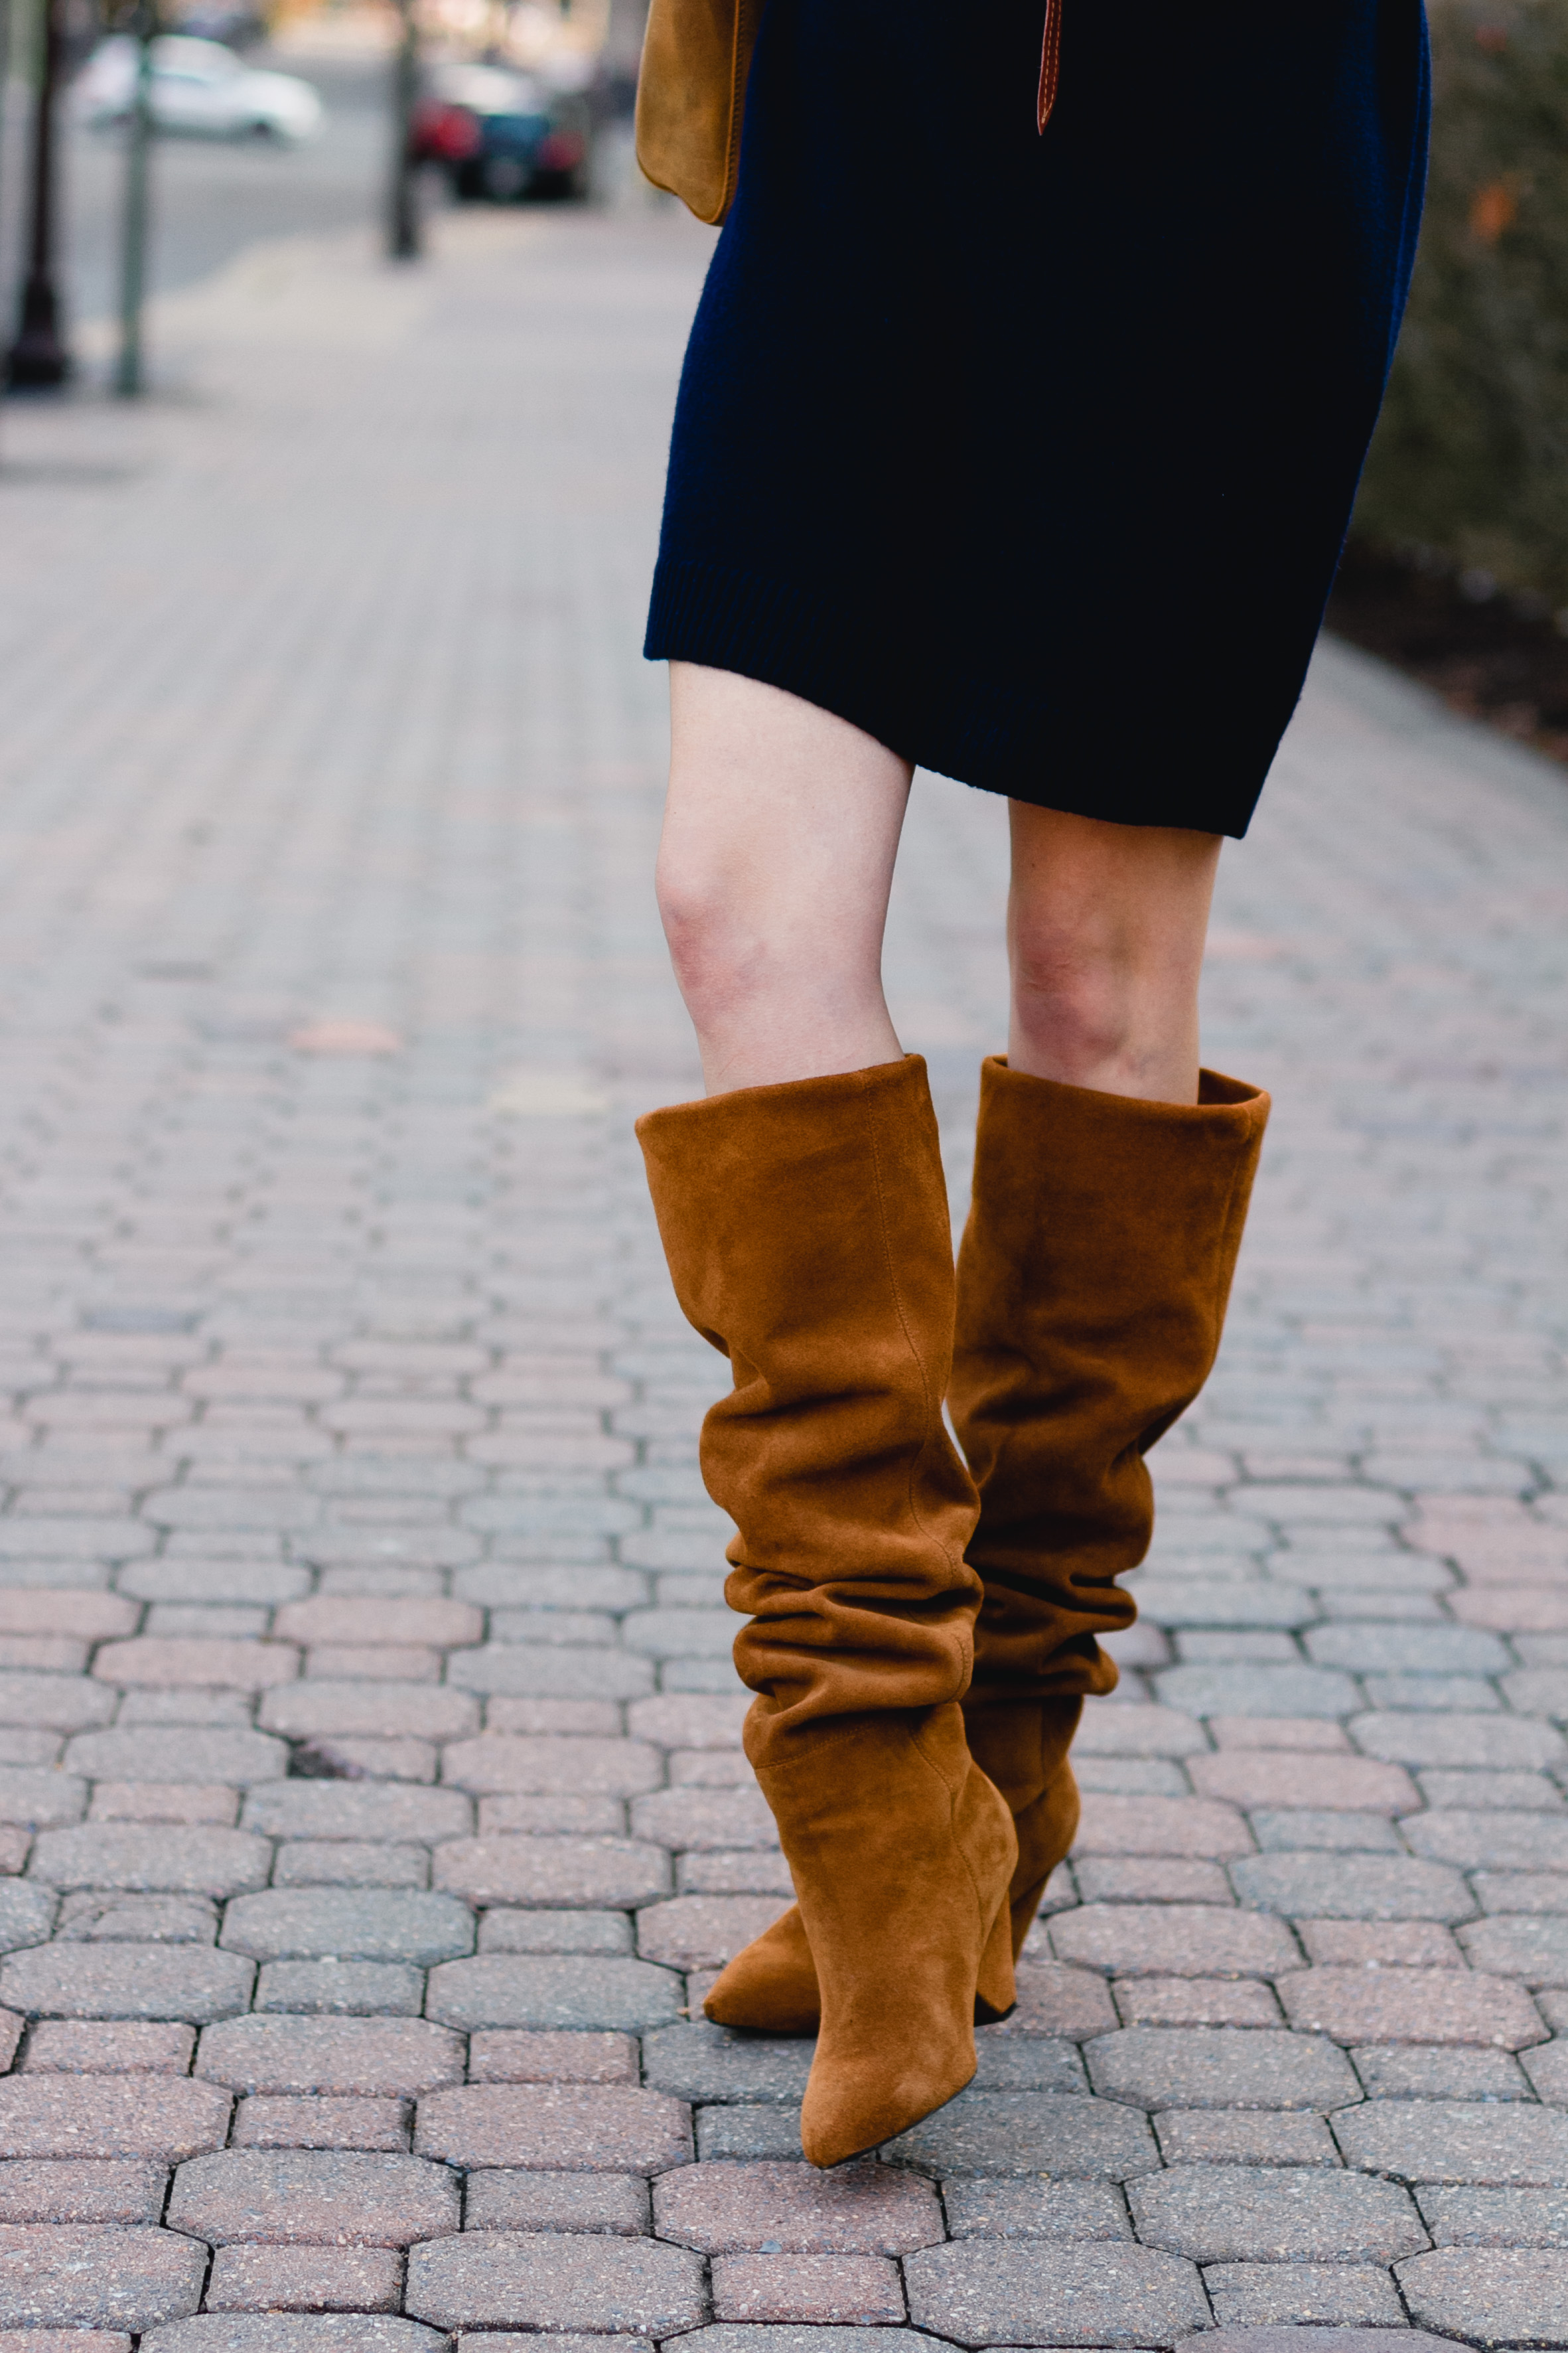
(770, 1987)
(902, 1853)
(859, 2105)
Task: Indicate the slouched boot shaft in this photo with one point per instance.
(807, 1233)
(1093, 1282)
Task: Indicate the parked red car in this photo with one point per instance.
(502, 135)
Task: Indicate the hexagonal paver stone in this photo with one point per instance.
(41, 1796)
(218, 1758)
(762, 2337)
(1220, 2067)
(82, 2190)
(703, 1932)
(165, 2117)
(543, 1671)
(55, 2277)
(1004, 2132)
(190, 1982)
(1408, 1648)
(702, 1821)
(1174, 1940)
(1288, 2338)
(341, 1988)
(343, 2058)
(1414, 1737)
(54, 1703)
(1281, 1777)
(155, 1660)
(1547, 2070)
(1256, 1690)
(513, 2055)
(1534, 1949)
(1257, 2214)
(372, 1619)
(1496, 2217)
(570, 2127)
(859, 2290)
(83, 1615)
(1056, 1999)
(862, 2208)
(25, 1914)
(174, 1861)
(679, 1633)
(1026, 2062)
(1230, 1603)
(1035, 2209)
(1497, 2295)
(520, 1764)
(1339, 2301)
(986, 2293)
(361, 1924)
(316, 1710)
(1245, 2137)
(332, 2197)
(703, 2061)
(1447, 2006)
(572, 1873)
(1149, 1825)
(64, 2340)
(550, 1990)
(690, 1720)
(356, 1809)
(1499, 2146)
(555, 2281)
(1351, 1887)
(1478, 1839)
(295, 2332)
(751, 2134)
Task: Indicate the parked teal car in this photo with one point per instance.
(502, 135)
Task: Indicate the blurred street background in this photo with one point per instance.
(213, 196)
(373, 1813)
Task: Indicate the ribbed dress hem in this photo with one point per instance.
(986, 735)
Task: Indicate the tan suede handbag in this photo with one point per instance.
(691, 95)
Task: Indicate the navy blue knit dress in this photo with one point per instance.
(1033, 455)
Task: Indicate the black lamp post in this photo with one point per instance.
(38, 357)
(402, 213)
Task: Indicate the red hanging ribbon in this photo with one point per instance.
(1050, 61)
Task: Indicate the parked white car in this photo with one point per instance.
(199, 87)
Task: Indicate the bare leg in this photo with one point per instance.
(780, 834)
(1105, 935)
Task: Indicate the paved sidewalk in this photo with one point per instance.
(370, 1737)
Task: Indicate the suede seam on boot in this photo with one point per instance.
(952, 1796)
(953, 1788)
(956, 1559)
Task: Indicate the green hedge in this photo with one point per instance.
(1470, 459)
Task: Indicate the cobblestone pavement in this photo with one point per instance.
(369, 1745)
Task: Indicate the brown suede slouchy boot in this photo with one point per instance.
(807, 1235)
(1092, 1283)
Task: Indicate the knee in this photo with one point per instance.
(713, 949)
(1075, 1000)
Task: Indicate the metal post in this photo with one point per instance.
(4, 69)
(403, 223)
(38, 357)
(129, 370)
